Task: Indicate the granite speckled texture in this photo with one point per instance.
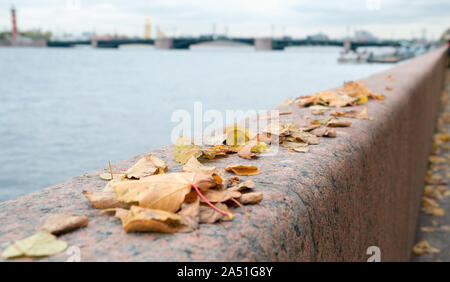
(351, 192)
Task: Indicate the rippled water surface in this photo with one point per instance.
(64, 112)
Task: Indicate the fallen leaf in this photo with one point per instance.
(305, 137)
(423, 247)
(213, 152)
(246, 151)
(219, 196)
(324, 132)
(436, 192)
(60, 223)
(185, 149)
(163, 191)
(243, 169)
(431, 207)
(339, 123)
(40, 244)
(251, 198)
(190, 212)
(427, 229)
(361, 114)
(146, 166)
(141, 219)
(209, 215)
(436, 159)
(242, 186)
(390, 78)
(104, 200)
(237, 135)
(193, 165)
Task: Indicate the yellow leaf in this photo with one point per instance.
(362, 100)
(38, 245)
(243, 169)
(237, 135)
(185, 149)
(423, 247)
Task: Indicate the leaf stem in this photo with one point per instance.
(229, 214)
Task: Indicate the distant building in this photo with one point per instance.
(364, 36)
(318, 37)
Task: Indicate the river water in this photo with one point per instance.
(64, 112)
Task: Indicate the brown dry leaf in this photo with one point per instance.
(325, 98)
(243, 169)
(435, 179)
(185, 149)
(251, 198)
(193, 165)
(146, 166)
(218, 150)
(427, 229)
(209, 215)
(41, 244)
(361, 114)
(305, 137)
(219, 196)
(423, 247)
(60, 223)
(430, 206)
(436, 192)
(163, 191)
(299, 147)
(246, 151)
(141, 219)
(190, 212)
(324, 132)
(339, 123)
(104, 200)
(390, 78)
(436, 159)
(242, 186)
(387, 88)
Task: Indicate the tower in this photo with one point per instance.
(14, 24)
(148, 26)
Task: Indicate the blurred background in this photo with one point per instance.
(84, 82)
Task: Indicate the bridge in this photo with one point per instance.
(186, 42)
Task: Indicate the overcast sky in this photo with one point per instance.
(298, 18)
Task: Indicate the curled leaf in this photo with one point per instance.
(324, 132)
(60, 223)
(141, 219)
(251, 198)
(243, 169)
(104, 200)
(339, 123)
(146, 166)
(193, 165)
